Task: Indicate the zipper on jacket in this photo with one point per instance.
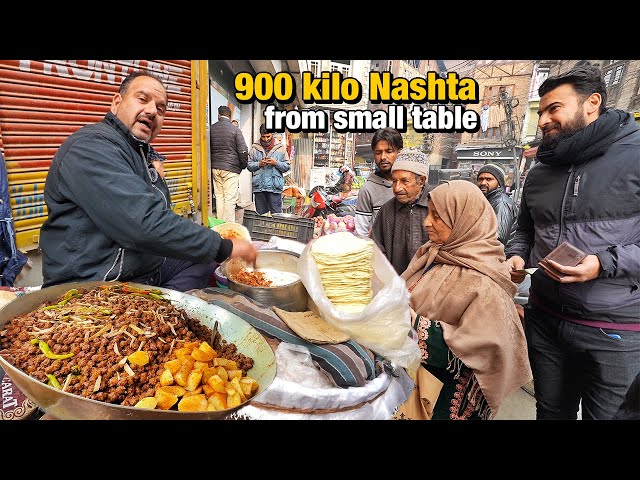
(576, 185)
(145, 158)
(562, 205)
(115, 262)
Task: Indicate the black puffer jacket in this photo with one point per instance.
(506, 211)
(227, 146)
(595, 206)
(109, 215)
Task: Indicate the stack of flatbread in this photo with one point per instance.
(345, 267)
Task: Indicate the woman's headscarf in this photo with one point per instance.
(469, 291)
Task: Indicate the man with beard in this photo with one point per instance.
(491, 182)
(398, 229)
(110, 216)
(583, 329)
(385, 144)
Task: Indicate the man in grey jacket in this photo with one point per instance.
(229, 156)
(109, 212)
(385, 144)
(491, 182)
(583, 328)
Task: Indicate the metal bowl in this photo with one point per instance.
(292, 297)
(68, 406)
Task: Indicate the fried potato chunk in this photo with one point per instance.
(147, 402)
(193, 403)
(140, 358)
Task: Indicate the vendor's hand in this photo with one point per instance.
(516, 263)
(244, 249)
(588, 269)
(271, 161)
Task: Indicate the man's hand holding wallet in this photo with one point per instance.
(568, 264)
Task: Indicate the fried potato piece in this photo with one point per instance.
(235, 381)
(173, 365)
(199, 390)
(193, 380)
(207, 372)
(199, 365)
(217, 384)
(233, 400)
(249, 386)
(181, 377)
(234, 374)
(204, 352)
(193, 403)
(147, 402)
(140, 358)
(226, 363)
(218, 401)
(165, 399)
(176, 390)
(166, 377)
(222, 373)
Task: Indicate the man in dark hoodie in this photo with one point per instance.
(583, 329)
(229, 156)
(491, 182)
(109, 212)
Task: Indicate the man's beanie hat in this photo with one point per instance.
(495, 170)
(412, 160)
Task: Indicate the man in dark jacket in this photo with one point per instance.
(583, 329)
(398, 229)
(109, 212)
(229, 156)
(491, 182)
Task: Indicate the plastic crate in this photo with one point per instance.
(263, 228)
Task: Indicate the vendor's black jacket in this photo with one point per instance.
(229, 150)
(593, 203)
(109, 212)
(506, 211)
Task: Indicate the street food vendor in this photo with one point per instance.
(109, 216)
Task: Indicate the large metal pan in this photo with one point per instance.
(68, 406)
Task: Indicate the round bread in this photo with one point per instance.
(231, 230)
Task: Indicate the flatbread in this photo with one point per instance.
(6, 297)
(311, 327)
(345, 266)
(231, 230)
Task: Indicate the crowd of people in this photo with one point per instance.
(460, 247)
(580, 335)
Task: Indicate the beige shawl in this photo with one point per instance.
(470, 292)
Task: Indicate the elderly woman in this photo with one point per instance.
(468, 329)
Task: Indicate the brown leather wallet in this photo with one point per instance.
(564, 254)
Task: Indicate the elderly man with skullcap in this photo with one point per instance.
(398, 229)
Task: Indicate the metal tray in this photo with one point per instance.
(68, 406)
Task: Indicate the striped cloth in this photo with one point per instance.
(346, 364)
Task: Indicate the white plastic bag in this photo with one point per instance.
(384, 325)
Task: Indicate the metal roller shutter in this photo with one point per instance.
(42, 102)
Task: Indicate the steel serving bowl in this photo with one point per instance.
(68, 406)
(292, 297)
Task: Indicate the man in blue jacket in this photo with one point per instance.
(583, 329)
(268, 161)
(109, 213)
